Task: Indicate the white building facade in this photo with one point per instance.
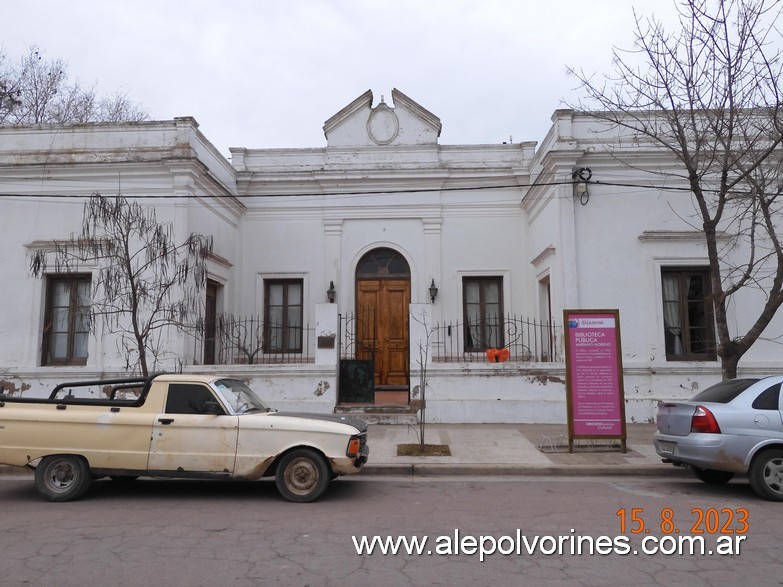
(340, 273)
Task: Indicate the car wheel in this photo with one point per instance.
(713, 476)
(766, 474)
(62, 477)
(302, 475)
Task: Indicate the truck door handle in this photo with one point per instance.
(165, 420)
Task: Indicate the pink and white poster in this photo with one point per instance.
(594, 374)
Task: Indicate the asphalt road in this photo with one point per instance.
(206, 533)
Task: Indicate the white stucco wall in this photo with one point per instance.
(51, 170)
(451, 211)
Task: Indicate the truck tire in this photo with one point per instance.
(302, 475)
(62, 477)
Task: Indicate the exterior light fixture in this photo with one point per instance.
(330, 293)
(433, 291)
(580, 178)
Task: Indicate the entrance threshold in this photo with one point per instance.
(379, 414)
(396, 397)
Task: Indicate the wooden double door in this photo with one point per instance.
(382, 329)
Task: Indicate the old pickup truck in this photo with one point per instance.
(174, 426)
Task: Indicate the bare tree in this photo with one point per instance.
(419, 393)
(145, 284)
(709, 95)
(10, 93)
(37, 91)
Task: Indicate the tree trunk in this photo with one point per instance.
(729, 358)
(142, 358)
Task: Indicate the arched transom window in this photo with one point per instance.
(383, 263)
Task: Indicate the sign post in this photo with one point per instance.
(594, 376)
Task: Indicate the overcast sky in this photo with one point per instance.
(269, 73)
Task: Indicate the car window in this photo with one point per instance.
(188, 398)
(724, 392)
(768, 399)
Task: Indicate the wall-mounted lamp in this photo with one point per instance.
(581, 177)
(433, 291)
(330, 293)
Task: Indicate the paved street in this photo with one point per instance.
(205, 533)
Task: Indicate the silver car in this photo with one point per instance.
(733, 427)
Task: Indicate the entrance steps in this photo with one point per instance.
(379, 414)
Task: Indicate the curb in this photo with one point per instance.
(11, 470)
(443, 470)
(449, 470)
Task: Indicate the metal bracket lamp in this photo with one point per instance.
(330, 293)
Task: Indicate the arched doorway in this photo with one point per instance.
(383, 294)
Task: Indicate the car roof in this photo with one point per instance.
(191, 377)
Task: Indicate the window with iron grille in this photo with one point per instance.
(66, 320)
(688, 324)
(210, 322)
(283, 315)
(483, 312)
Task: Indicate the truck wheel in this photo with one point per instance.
(62, 477)
(302, 475)
(766, 474)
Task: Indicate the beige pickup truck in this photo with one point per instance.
(174, 426)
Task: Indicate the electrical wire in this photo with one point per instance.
(350, 194)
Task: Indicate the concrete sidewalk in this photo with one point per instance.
(514, 449)
(505, 449)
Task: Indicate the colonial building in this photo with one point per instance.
(339, 274)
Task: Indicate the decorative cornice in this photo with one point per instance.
(41, 245)
(399, 98)
(53, 245)
(547, 252)
(363, 101)
(432, 225)
(677, 235)
(333, 226)
(219, 260)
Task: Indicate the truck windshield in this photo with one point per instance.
(240, 397)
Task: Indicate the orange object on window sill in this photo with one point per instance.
(497, 355)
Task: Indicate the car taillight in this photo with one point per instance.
(354, 446)
(704, 421)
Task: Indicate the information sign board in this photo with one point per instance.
(594, 377)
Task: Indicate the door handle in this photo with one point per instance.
(165, 420)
